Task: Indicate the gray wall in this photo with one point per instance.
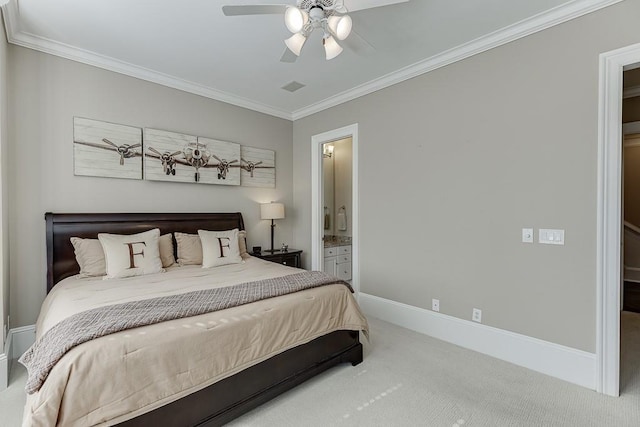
(482, 148)
(4, 193)
(46, 92)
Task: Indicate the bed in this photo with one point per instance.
(230, 393)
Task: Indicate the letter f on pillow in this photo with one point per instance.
(133, 254)
(223, 246)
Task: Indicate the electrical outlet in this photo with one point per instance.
(435, 304)
(477, 315)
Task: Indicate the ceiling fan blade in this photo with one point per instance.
(255, 9)
(355, 5)
(358, 44)
(288, 56)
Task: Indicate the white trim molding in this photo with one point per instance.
(16, 36)
(566, 363)
(21, 339)
(5, 365)
(609, 215)
(18, 341)
(317, 229)
(542, 21)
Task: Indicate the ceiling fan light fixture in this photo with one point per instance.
(295, 19)
(331, 47)
(295, 43)
(340, 26)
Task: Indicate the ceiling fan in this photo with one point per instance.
(329, 16)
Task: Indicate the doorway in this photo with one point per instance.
(609, 222)
(337, 207)
(344, 213)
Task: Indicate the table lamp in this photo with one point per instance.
(272, 211)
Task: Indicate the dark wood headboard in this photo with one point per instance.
(61, 259)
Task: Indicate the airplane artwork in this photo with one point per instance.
(258, 167)
(187, 158)
(168, 160)
(107, 149)
(111, 150)
(194, 155)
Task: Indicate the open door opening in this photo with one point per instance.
(334, 219)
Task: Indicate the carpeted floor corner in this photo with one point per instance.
(409, 379)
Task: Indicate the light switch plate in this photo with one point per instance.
(550, 236)
(527, 235)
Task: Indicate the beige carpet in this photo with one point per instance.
(408, 379)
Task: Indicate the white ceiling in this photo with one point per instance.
(191, 45)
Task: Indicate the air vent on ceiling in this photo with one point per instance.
(293, 86)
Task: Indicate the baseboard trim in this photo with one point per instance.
(566, 363)
(4, 371)
(20, 339)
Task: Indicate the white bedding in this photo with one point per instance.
(120, 376)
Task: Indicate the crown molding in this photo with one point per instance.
(536, 23)
(539, 22)
(16, 36)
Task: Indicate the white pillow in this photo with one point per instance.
(190, 247)
(131, 255)
(219, 248)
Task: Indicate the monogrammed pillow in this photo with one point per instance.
(131, 255)
(190, 247)
(219, 248)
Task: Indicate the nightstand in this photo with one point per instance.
(290, 258)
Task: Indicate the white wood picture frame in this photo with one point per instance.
(224, 162)
(258, 167)
(164, 156)
(107, 150)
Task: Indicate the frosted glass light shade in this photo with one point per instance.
(331, 47)
(341, 26)
(295, 19)
(295, 43)
(271, 210)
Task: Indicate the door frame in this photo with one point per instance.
(317, 247)
(609, 215)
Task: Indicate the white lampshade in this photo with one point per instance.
(331, 47)
(340, 25)
(271, 210)
(295, 19)
(295, 43)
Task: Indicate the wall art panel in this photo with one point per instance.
(164, 156)
(106, 149)
(224, 161)
(258, 167)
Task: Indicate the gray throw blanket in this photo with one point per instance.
(98, 322)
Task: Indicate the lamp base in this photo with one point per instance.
(273, 227)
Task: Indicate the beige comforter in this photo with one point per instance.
(120, 376)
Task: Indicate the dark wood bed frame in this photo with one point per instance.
(227, 399)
